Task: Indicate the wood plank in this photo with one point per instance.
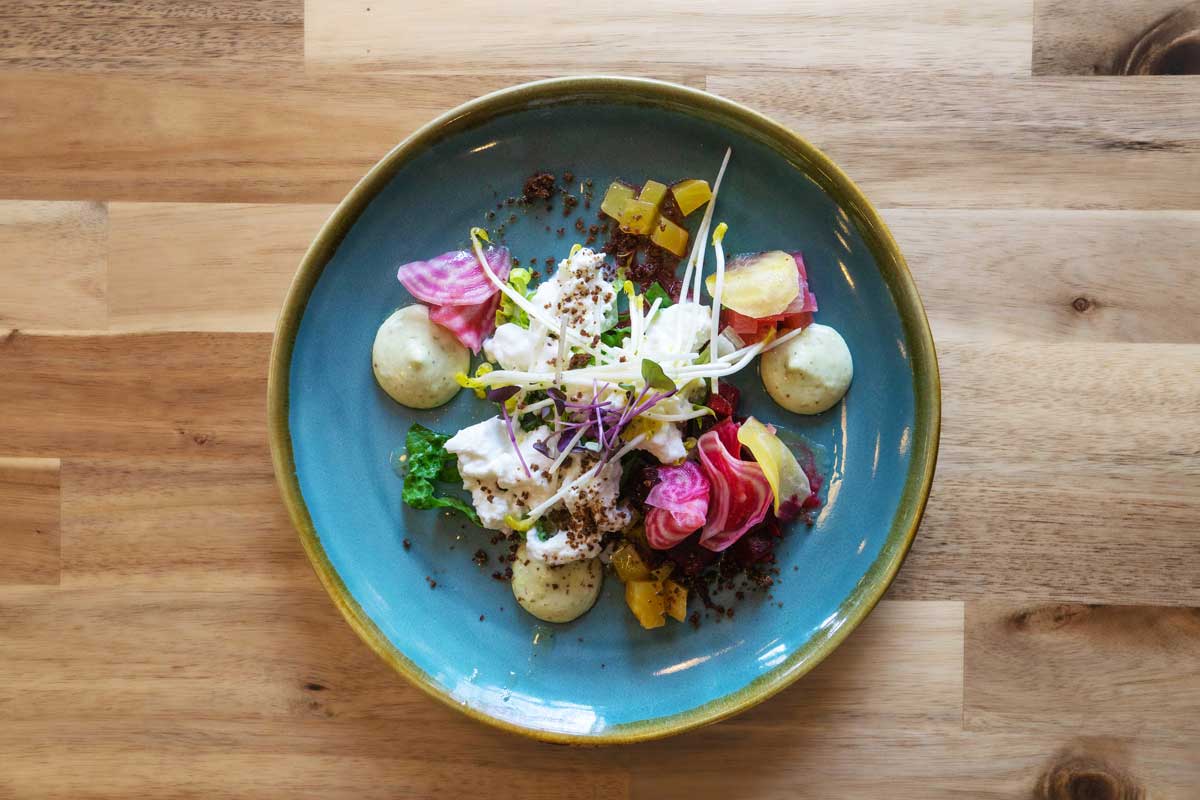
(54, 265)
(277, 676)
(197, 395)
(1019, 274)
(145, 35)
(1067, 472)
(200, 266)
(180, 522)
(922, 139)
(1119, 670)
(201, 666)
(212, 137)
(1086, 37)
(725, 761)
(1054, 499)
(989, 36)
(1056, 276)
(29, 521)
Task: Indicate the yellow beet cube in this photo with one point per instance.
(646, 603)
(615, 198)
(669, 236)
(638, 216)
(629, 565)
(691, 194)
(675, 600)
(654, 192)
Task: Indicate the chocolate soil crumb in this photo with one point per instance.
(432, 582)
(480, 558)
(539, 186)
(407, 544)
(481, 617)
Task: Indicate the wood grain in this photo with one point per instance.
(155, 522)
(915, 138)
(29, 521)
(213, 138)
(147, 35)
(164, 165)
(1084, 37)
(97, 396)
(1054, 275)
(994, 275)
(991, 36)
(1069, 666)
(278, 677)
(187, 266)
(863, 766)
(53, 267)
(1066, 472)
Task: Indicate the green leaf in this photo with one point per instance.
(614, 337)
(518, 279)
(657, 292)
(655, 378)
(531, 422)
(427, 462)
(543, 530)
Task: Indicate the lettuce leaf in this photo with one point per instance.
(428, 462)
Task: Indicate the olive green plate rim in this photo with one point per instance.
(927, 384)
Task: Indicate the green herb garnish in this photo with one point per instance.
(509, 311)
(657, 292)
(543, 531)
(615, 337)
(655, 378)
(427, 462)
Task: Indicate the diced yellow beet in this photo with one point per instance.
(637, 216)
(646, 603)
(653, 192)
(675, 600)
(788, 482)
(615, 198)
(691, 194)
(663, 572)
(629, 565)
(669, 236)
(759, 285)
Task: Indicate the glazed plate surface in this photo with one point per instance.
(334, 432)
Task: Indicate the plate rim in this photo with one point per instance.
(646, 91)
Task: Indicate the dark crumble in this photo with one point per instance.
(407, 544)
(539, 186)
(480, 558)
(432, 583)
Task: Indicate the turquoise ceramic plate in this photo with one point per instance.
(599, 679)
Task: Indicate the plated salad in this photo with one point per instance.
(615, 445)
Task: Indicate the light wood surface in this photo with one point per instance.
(164, 165)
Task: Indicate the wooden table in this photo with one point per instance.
(164, 165)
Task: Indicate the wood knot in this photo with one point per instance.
(1169, 47)
(1082, 304)
(1085, 777)
(315, 687)
(1051, 617)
